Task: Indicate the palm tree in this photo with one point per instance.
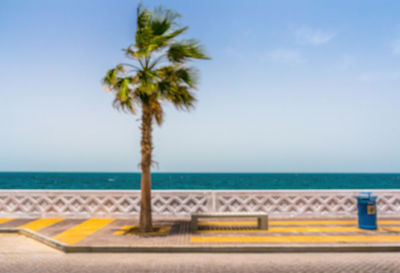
(159, 73)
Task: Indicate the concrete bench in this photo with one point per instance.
(262, 218)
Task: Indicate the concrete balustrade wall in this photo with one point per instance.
(181, 203)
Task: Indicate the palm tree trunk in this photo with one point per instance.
(145, 222)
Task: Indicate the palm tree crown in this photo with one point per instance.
(160, 71)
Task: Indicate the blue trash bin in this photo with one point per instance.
(366, 211)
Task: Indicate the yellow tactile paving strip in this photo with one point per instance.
(287, 230)
(40, 224)
(295, 239)
(81, 231)
(303, 222)
(296, 231)
(3, 220)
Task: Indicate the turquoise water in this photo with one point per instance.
(199, 181)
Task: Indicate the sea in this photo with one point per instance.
(199, 181)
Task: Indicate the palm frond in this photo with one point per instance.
(188, 75)
(183, 51)
(161, 41)
(126, 106)
(182, 98)
(111, 79)
(163, 20)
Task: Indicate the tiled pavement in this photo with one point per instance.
(19, 254)
(109, 232)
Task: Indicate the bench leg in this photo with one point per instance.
(193, 224)
(263, 223)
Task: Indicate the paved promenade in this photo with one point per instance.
(23, 255)
(176, 232)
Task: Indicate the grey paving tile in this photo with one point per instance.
(30, 260)
(15, 223)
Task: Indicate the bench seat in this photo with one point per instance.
(262, 218)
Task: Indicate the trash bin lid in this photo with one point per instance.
(364, 197)
(366, 192)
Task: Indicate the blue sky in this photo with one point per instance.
(293, 86)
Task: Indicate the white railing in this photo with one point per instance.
(181, 203)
